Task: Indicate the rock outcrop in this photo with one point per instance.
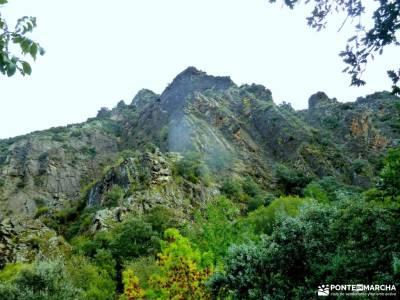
(24, 240)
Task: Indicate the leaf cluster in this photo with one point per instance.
(9, 61)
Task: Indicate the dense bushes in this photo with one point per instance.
(97, 281)
(192, 168)
(263, 219)
(390, 175)
(215, 228)
(113, 196)
(134, 238)
(246, 191)
(339, 237)
(291, 181)
(243, 244)
(74, 279)
(353, 242)
(41, 281)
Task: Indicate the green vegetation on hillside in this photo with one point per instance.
(283, 248)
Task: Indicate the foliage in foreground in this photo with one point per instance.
(352, 242)
(182, 271)
(369, 37)
(10, 62)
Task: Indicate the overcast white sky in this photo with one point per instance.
(99, 52)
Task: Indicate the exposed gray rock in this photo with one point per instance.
(23, 239)
(144, 97)
(319, 99)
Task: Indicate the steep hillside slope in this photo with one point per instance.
(238, 131)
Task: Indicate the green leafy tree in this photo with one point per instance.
(9, 61)
(183, 270)
(96, 281)
(161, 218)
(133, 238)
(291, 181)
(132, 289)
(366, 41)
(263, 219)
(390, 174)
(214, 228)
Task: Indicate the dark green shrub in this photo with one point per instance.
(390, 174)
(66, 215)
(95, 281)
(3, 158)
(263, 219)
(90, 245)
(103, 113)
(21, 183)
(291, 181)
(41, 211)
(58, 138)
(330, 122)
(38, 181)
(76, 133)
(113, 196)
(81, 224)
(134, 238)
(112, 127)
(90, 151)
(232, 189)
(162, 218)
(256, 202)
(192, 168)
(39, 202)
(251, 188)
(41, 281)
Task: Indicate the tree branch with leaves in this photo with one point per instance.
(9, 61)
(361, 47)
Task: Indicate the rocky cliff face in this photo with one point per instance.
(52, 165)
(23, 239)
(238, 130)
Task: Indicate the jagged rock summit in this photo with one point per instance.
(187, 83)
(320, 99)
(144, 97)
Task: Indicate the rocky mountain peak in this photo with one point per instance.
(190, 71)
(188, 82)
(319, 99)
(143, 97)
(257, 90)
